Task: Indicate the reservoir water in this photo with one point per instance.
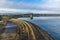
(49, 24)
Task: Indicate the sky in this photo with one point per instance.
(30, 6)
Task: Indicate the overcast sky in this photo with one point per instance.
(34, 6)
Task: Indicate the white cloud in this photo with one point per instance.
(9, 10)
(53, 3)
(50, 6)
(47, 4)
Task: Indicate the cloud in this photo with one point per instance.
(53, 3)
(46, 5)
(49, 6)
(19, 11)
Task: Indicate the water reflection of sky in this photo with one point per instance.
(49, 24)
(10, 28)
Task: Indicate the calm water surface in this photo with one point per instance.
(49, 24)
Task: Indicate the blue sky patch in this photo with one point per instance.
(15, 0)
(29, 1)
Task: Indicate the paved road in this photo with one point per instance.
(26, 31)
